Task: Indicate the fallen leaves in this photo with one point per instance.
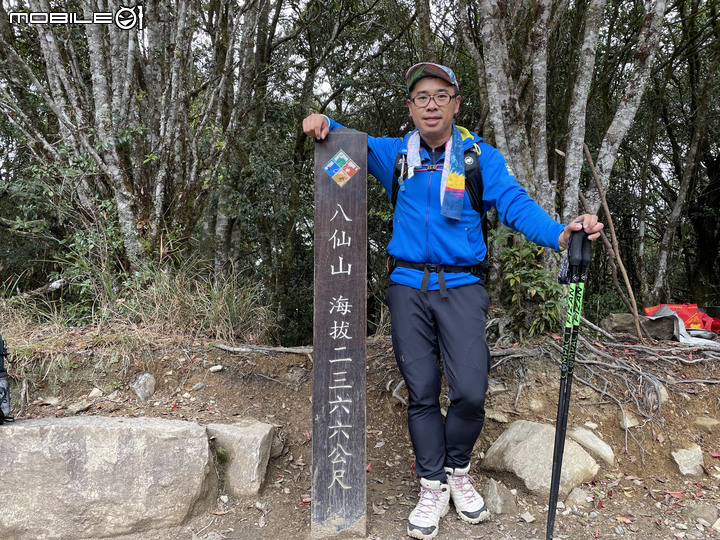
(626, 518)
(658, 436)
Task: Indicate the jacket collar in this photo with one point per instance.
(469, 139)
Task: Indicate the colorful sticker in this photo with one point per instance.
(341, 168)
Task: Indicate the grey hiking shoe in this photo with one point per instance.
(434, 503)
(469, 505)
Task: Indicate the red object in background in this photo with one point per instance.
(710, 323)
(691, 316)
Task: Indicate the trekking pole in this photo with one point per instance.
(573, 274)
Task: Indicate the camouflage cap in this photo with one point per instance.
(428, 69)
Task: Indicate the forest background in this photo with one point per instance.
(160, 175)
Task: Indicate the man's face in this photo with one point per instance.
(433, 122)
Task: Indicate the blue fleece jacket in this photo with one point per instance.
(421, 234)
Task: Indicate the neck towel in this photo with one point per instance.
(452, 184)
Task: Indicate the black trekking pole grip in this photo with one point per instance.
(579, 249)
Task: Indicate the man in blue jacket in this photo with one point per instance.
(437, 300)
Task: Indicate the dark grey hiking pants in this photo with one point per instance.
(425, 326)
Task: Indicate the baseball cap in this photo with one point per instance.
(428, 69)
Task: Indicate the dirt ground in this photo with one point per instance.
(643, 496)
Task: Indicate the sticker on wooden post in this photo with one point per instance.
(338, 449)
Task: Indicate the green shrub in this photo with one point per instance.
(530, 292)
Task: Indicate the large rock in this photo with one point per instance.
(97, 476)
(243, 449)
(526, 450)
(624, 323)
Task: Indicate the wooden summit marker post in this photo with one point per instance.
(338, 448)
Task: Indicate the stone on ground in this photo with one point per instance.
(595, 446)
(577, 497)
(496, 416)
(245, 451)
(689, 460)
(702, 511)
(624, 323)
(499, 499)
(143, 386)
(628, 420)
(708, 424)
(526, 450)
(87, 476)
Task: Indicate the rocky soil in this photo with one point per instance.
(642, 496)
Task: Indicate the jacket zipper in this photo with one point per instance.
(431, 169)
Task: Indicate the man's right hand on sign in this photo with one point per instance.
(316, 126)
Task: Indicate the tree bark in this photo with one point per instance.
(498, 89)
(544, 192)
(425, 35)
(110, 161)
(645, 52)
(578, 109)
(470, 45)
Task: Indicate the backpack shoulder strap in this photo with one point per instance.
(399, 176)
(474, 186)
(473, 178)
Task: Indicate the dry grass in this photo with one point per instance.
(162, 310)
(195, 302)
(51, 354)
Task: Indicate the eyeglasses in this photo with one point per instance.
(423, 100)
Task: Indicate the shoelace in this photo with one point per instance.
(464, 484)
(428, 501)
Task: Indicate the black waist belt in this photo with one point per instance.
(477, 270)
